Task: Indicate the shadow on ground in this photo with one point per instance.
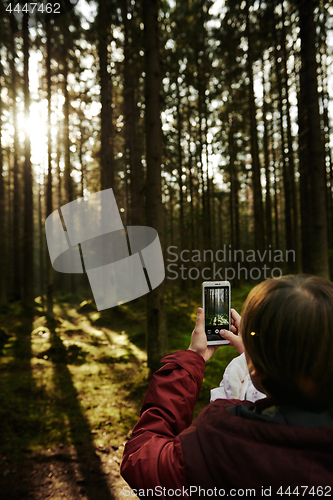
(67, 403)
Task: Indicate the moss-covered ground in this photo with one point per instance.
(73, 387)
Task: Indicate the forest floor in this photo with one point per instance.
(71, 391)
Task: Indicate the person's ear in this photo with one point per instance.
(257, 375)
(253, 370)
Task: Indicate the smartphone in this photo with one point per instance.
(216, 304)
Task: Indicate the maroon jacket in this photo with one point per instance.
(230, 447)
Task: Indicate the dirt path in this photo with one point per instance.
(58, 473)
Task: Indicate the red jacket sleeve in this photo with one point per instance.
(153, 456)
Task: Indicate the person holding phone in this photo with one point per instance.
(278, 446)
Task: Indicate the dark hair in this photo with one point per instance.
(287, 330)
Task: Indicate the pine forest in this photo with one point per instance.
(212, 123)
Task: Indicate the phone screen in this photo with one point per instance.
(216, 311)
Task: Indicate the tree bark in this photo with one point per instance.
(133, 156)
(190, 180)
(288, 216)
(268, 199)
(105, 81)
(312, 164)
(323, 81)
(68, 167)
(41, 234)
(290, 155)
(3, 241)
(16, 255)
(49, 193)
(257, 191)
(28, 238)
(157, 340)
(180, 169)
(234, 215)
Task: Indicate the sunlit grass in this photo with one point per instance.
(67, 386)
(83, 377)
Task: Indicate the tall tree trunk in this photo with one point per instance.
(28, 238)
(213, 215)
(41, 233)
(290, 155)
(81, 160)
(268, 204)
(190, 180)
(16, 262)
(59, 180)
(157, 340)
(201, 176)
(323, 82)
(70, 193)
(180, 169)
(68, 167)
(49, 197)
(209, 198)
(288, 217)
(220, 219)
(105, 81)
(170, 212)
(233, 185)
(257, 191)
(312, 164)
(3, 240)
(131, 122)
(275, 186)
(182, 184)
(234, 215)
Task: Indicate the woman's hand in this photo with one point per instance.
(234, 335)
(199, 338)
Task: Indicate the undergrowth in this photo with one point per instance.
(80, 379)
